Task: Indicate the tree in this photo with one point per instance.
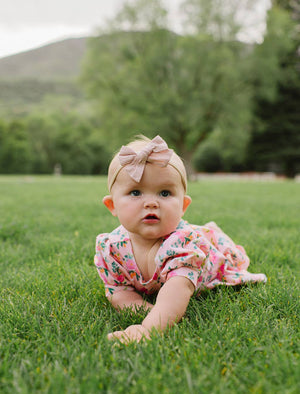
(183, 87)
(15, 148)
(276, 138)
(38, 142)
(67, 139)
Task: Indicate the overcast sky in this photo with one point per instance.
(26, 24)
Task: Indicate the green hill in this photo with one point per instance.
(42, 79)
(46, 78)
(59, 60)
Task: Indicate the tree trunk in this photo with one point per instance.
(186, 157)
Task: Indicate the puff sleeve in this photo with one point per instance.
(110, 266)
(182, 255)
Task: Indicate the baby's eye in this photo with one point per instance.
(165, 193)
(135, 193)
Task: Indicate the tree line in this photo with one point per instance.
(39, 143)
(221, 104)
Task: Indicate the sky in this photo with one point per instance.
(28, 24)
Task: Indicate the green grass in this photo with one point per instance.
(54, 316)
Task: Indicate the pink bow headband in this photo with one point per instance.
(156, 152)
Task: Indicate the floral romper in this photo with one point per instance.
(203, 254)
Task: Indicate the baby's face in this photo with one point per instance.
(153, 207)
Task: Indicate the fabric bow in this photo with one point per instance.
(156, 151)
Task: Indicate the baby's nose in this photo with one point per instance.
(151, 203)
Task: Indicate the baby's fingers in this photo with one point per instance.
(115, 335)
(134, 333)
(118, 335)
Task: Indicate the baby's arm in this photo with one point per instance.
(129, 299)
(171, 304)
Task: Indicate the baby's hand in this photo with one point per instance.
(136, 332)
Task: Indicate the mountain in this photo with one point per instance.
(57, 61)
(42, 79)
(46, 79)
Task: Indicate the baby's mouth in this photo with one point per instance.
(151, 218)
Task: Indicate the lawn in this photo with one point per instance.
(54, 316)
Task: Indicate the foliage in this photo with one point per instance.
(208, 158)
(37, 143)
(15, 148)
(278, 142)
(54, 316)
(184, 87)
(21, 97)
(270, 55)
(219, 19)
(276, 138)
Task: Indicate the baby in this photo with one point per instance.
(154, 250)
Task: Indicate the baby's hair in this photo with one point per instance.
(138, 144)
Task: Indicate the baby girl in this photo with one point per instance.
(154, 250)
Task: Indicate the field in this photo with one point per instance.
(54, 316)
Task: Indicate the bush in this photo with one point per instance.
(208, 159)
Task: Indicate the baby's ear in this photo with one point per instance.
(109, 203)
(186, 202)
